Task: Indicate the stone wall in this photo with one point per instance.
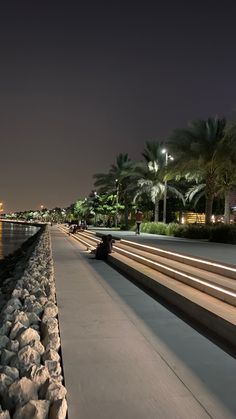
(31, 381)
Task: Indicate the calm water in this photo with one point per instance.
(12, 235)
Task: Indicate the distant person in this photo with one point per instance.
(102, 249)
(138, 219)
(72, 229)
(83, 225)
(110, 241)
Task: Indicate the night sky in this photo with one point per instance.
(81, 84)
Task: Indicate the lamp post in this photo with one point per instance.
(167, 157)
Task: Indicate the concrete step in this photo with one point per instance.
(213, 284)
(197, 292)
(178, 268)
(217, 316)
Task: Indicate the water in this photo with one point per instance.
(12, 235)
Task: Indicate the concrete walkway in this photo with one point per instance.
(126, 356)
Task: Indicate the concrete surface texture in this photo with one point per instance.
(125, 355)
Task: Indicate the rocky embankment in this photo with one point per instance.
(31, 382)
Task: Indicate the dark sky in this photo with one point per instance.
(81, 84)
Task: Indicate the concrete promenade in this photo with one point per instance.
(125, 355)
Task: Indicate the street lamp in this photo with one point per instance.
(167, 157)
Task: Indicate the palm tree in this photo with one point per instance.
(196, 151)
(226, 171)
(117, 182)
(151, 175)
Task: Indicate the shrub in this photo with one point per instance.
(197, 232)
(218, 233)
(154, 228)
(176, 230)
(223, 234)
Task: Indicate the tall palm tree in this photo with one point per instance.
(226, 171)
(151, 175)
(196, 151)
(117, 182)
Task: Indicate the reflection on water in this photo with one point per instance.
(12, 235)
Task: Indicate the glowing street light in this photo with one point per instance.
(167, 157)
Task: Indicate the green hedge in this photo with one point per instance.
(223, 234)
(216, 233)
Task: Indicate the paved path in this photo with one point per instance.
(126, 356)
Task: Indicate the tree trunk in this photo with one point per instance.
(156, 211)
(208, 209)
(126, 212)
(210, 190)
(227, 207)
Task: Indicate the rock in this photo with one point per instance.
(9, 309)
(5, 381)
(5, 328)
(35, 308)
(34, 409)
(17, 293)
(13, 345)
(31, 299)
(11, 372)
(36, 327)
(15, 302)
(49, 325)
(14, 362)
(55, 391)
(22, 318)
(43, 300)
(38, 374)
(52, 341)
(53, 367)
(33, 318)
(9, 317)
(51, 355)
(21, 391)
(16, 328)
(13, 305)
(4, 341)
(5, 414)
(57, 379)
(50, 310)
(24, 293)
(27, 337)
(58, 409)
(28, 356)
(39, 293)
(6, 356)
(38, 346)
